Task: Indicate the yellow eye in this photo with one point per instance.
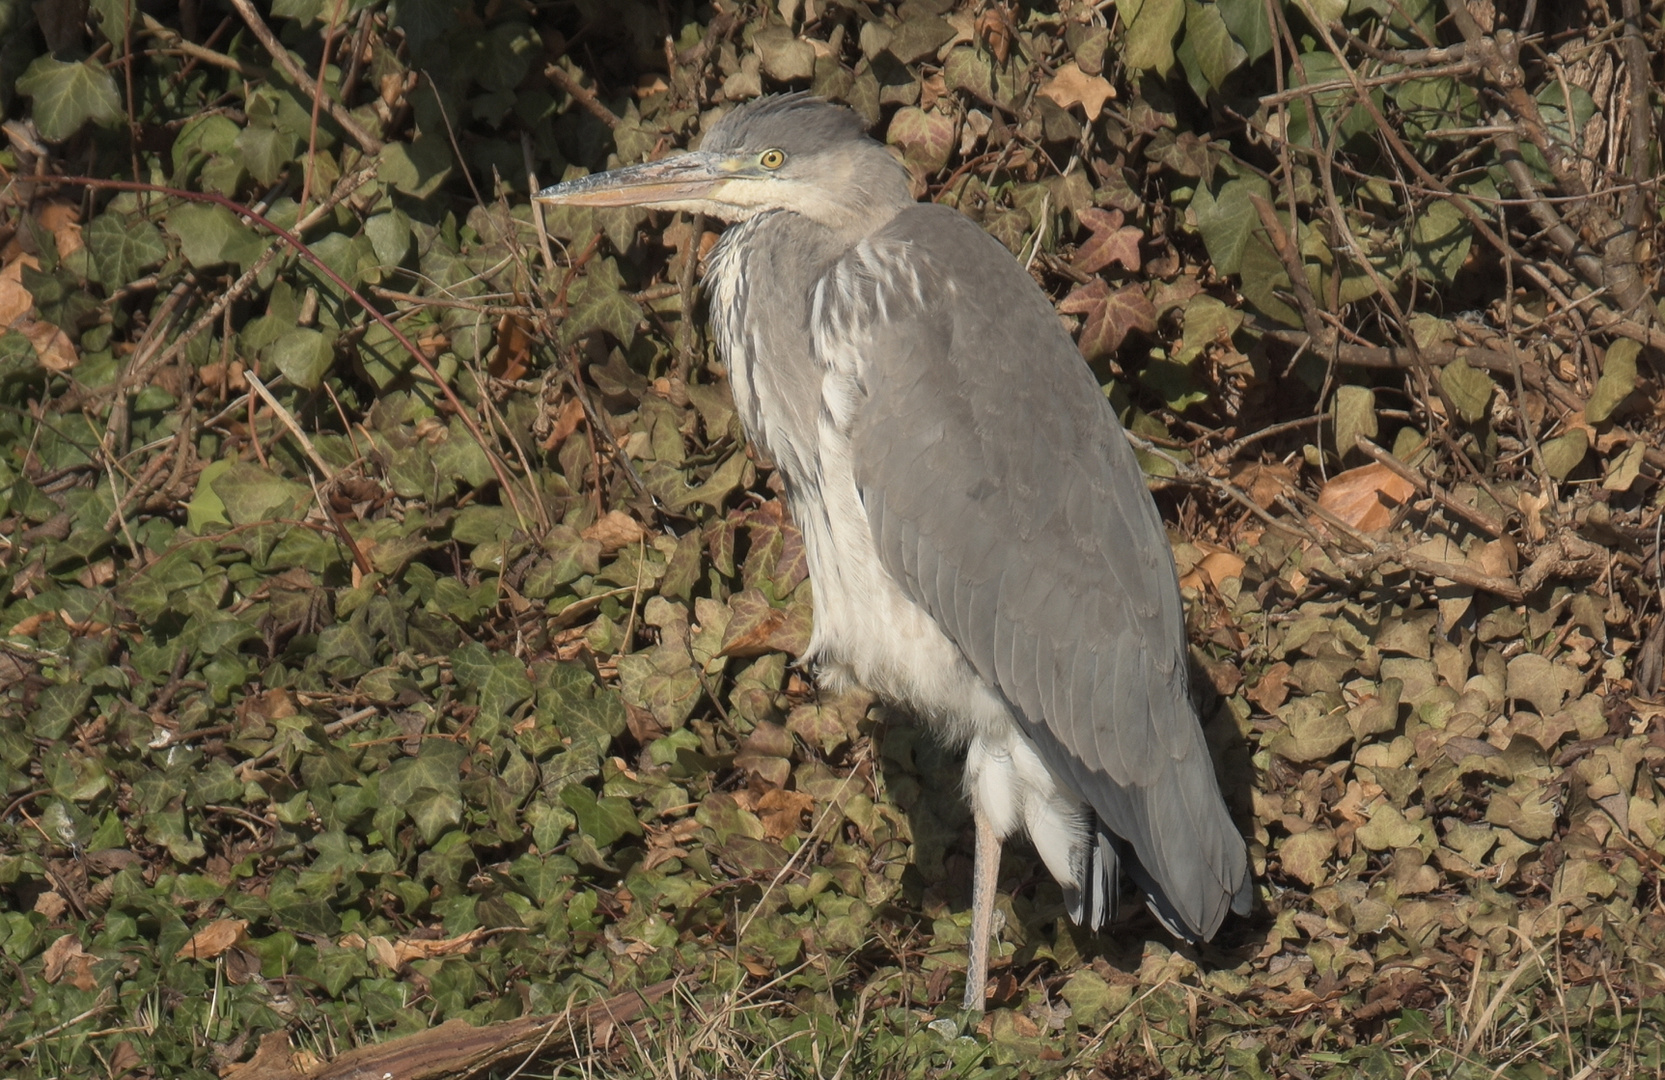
(772, 159)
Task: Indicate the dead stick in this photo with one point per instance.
(368, 142)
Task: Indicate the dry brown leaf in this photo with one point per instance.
(396, 954)
(15, 300)
(213, 939)
(56, 351)
(566, 422)
(124, 1060)
(66, 957)
(996, 26)
(1221, 566)
(618, 529)
(1272, 689)
(514, 348)
(1262, 482)
(63, 221)
(29, 625)
(1072, 86)
(782, 811)
(274, 704)
(1498, 558)
(1365, 497)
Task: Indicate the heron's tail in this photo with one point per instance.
(1102, 856)
(1098, 867)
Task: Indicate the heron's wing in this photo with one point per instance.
(1004, 499)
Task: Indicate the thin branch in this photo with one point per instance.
(368, 142)
(583, 95)
(300, 248)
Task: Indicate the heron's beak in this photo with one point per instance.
(683, 178)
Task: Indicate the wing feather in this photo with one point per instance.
(1005, 501)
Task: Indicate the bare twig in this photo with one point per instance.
(369, 143)
(299, 247)
(583, 95)
(1478, 518)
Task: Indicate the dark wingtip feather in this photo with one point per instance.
(1243, 901)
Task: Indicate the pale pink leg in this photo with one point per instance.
(985, 873)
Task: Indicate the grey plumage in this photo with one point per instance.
(982, 546)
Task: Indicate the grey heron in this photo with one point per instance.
(982, 547)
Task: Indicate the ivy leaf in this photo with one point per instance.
(1618, 379)
(1110, 242)
(925, 138)
(603, 820)
(265, 151)
(1072, 86)
(1355, 415)
(1111, 316)
(211, 235)
(1564, 453)
(303, 355)
(68, 94)
(434, 811)
(1228, 219)
(121, 248)
(417, 168)
(1469, 389)
(302, 11)
(1216, 54)
(114, 16)
(1149, 43)
(253, 494)
(1441, 239)
(499, 679)
(597, 301)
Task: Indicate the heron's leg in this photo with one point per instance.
(985, 874)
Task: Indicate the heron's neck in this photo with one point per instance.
(860, 196)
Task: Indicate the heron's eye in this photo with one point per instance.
(772, 159)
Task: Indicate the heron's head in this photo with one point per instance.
(790, 152)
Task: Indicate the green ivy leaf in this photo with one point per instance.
(1355, 415)
(114, 16)
(459, 456)
(416, 168)
(210, 235)
(1228, 219)
(389, 235)
(265, 151)
(1441, 239)
(1246, 19)
(1469, 389)
(303, 355)
(603, 820)
(252, 494)
(499, 679)
(597, 301)
(212, 134)
(1618, 379)
(1563, 453)
(122, 247)
(304, 12)
(1149, 43)
(1216, 54)
(68, 94)
(434, 811)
